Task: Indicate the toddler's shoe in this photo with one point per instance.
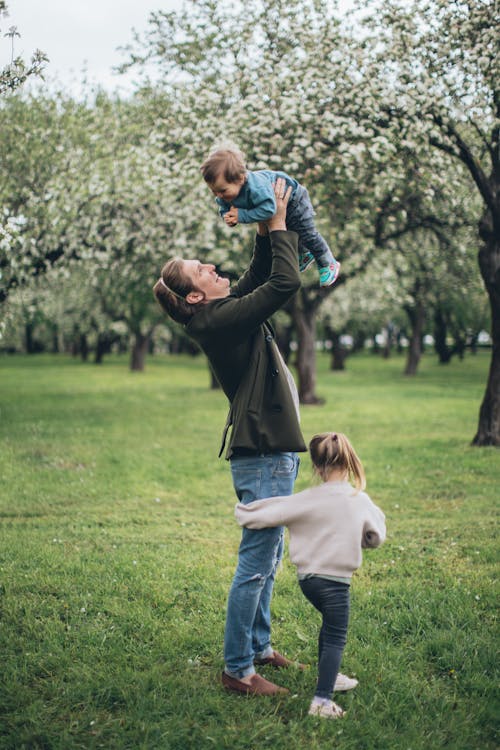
(305, 260)
(327, 710)
(328, 275)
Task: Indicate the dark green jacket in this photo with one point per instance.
(234, 334)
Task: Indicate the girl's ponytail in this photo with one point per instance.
(333, 450)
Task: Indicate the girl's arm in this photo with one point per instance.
(374, 530)
(272, 511)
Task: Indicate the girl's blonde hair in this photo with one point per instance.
(332, 450)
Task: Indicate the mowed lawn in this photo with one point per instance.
(118, 544)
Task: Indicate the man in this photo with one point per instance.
(231, 328)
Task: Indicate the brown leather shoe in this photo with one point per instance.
(279, 661)
(258, 686)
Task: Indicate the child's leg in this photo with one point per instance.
(300, 219)
(331, 598)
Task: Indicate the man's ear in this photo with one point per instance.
(194, 297)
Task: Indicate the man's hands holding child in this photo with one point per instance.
(231, 217)
(282, 195)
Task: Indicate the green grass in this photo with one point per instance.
(118, 544)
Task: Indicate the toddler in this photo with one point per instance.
(245, 197)
(328, 525)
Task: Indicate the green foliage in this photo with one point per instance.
(118, 545)
(104, 191)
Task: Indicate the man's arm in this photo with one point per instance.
(260, 266)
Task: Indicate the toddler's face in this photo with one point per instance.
(228, 191)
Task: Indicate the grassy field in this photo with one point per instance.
(118, 544)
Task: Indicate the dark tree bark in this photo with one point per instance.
(139, 351)
(29, 339)
(55, 339)
(84, 347)
(488, 430)
(303, 312)
(103, 346)
(416, 316)
(440, 332)
(339, 353)
(284, 341)
(390, 337)
(488, 185)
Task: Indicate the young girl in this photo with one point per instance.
(328, 525)
(246, 197)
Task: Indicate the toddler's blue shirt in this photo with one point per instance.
(256, 201)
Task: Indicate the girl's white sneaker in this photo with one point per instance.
(344, 683)
(328, 710)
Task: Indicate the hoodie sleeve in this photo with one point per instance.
(374, 530)
(273, 511)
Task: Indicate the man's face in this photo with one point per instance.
(228, 191)
(205, 279)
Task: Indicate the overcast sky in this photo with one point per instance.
(80, 35)
(77, 34)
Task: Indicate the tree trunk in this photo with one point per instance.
(28, 338)
(339, 354)
(283, 335)
(440, 333)
(139, 351)
(488, 431)
(84, 347)
(304, 319)
(103, 347)
(56, 340)
(100, 351)
(389, 340)
(416, 316)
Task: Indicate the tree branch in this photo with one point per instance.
(466, 157)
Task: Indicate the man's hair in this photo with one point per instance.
(332, 450)
(227, 162)
(171, 291)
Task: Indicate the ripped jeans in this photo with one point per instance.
(248, 623)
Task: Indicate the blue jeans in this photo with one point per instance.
(248, 623)
(300, 219)
(331, 598)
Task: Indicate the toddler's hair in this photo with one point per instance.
(332, 450)
(227, 161)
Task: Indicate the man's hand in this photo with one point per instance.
(282, 195)
(231, 217)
